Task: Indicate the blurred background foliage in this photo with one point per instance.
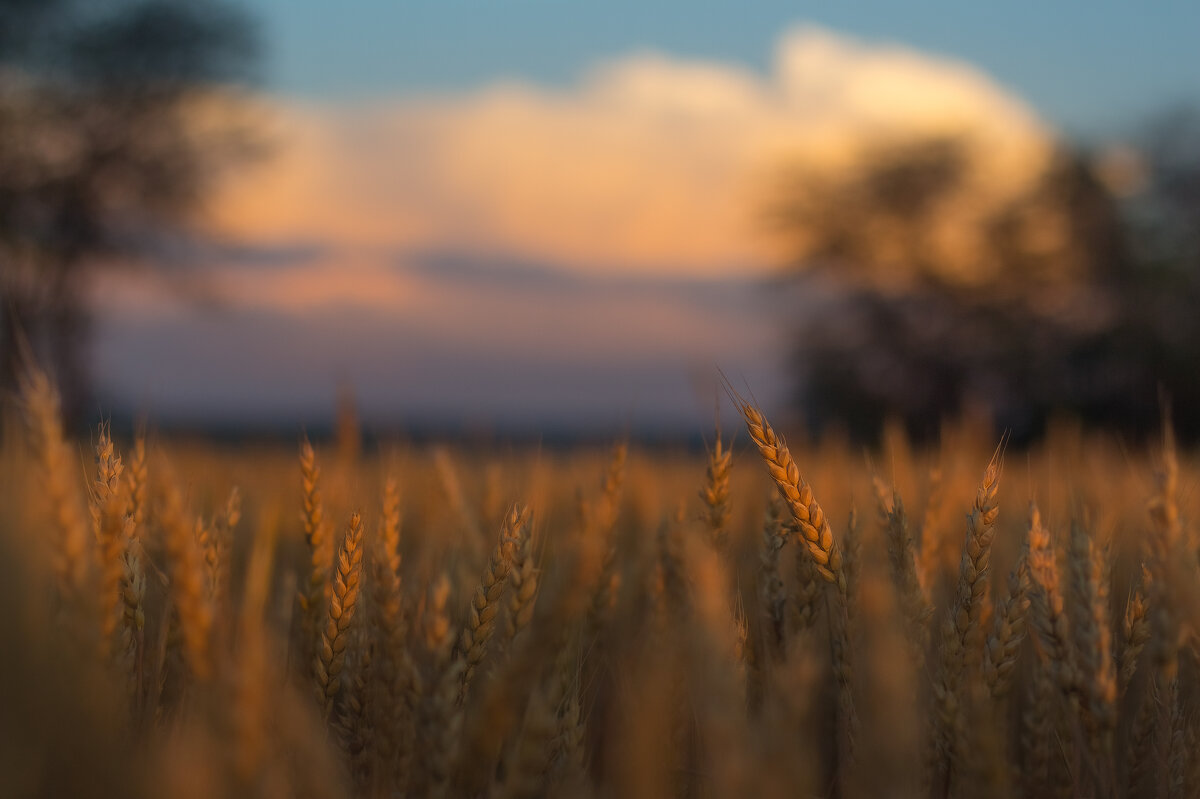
(109, 137)
(1083, 301)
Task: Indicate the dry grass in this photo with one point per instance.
(733, 646)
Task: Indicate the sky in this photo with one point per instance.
(1089, 68)
(548, 216)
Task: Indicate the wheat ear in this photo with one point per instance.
(1008, 632)
(797, 494)
(343, 601)
(601, 523)
(72, 556)
(133, 574)
(902, 558)
(1048, 618)
(193, 602)
(1092, 637)
(316, 588)
(523, 580)
(715, 493)
(1135, 631)
(393, 670)
(961, 632)
(485, 603)
(441, 715)
(108, 506)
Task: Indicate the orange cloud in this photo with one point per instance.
(650, 165)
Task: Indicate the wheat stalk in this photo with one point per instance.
(1092, 638)
(1048, 618)
(1008, 631)
(601, 523)
(108, 507)
(715, 493)
(1136, 631)
(72, 556)
(441, 713)
(915, 609)
(343, 601)
(797, 494)
(485, 603)
(523, 579)
(316, 589)
(193, 602)
(961, 642)
(772, 596)
(394, 695)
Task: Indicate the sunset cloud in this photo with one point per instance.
(523, 252)
(648, 165)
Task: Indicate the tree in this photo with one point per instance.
(1076, 298)
(99, 156)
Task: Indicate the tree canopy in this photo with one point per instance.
(100, 151)
(1075, 295)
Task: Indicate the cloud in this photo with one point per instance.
(535, 253)
(648, 165)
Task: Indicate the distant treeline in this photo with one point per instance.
(1086, 306)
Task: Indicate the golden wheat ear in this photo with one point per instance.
(715, 493)
(316, 535)
(393, 692)
(485, 603)
(71, 551)
(961, 644)
(343, 603)
(523, 582)
(816, 533)
(902, 558)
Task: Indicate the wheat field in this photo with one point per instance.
(187, 619)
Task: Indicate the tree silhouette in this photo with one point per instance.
(99, 155)
(1079, 300)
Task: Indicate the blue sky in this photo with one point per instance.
(1090, 69)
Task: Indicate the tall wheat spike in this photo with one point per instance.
(393, 700)
(1008, 631)
(138, 481)
(914, 607)
(343, 603)
(485, 603)
(1048, 617)
(1167, 551)
(1135, 631)
(715, 493)
(193, 601)
(220, 552)
(250, 707)
(961, 639)
(815, 531)
(108, 476)
(71, 554)
(601, 523)
(109, 505)
(523, 582)
(316, 588)
(133, 615)
(133, 576)
(441, 713)
(1092, 638)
